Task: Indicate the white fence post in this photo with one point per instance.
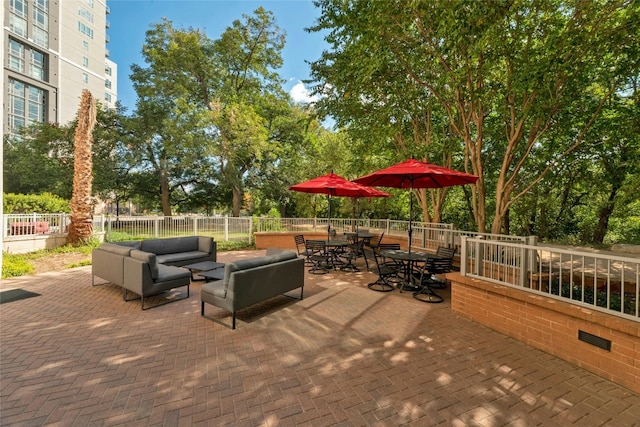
(226, 228)
(479, 255)
(463, 255)
(524, 265)
(250, 230)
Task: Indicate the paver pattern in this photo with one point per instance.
(344, 355)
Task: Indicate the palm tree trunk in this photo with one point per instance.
(81, 227)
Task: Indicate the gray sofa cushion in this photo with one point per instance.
(135, 244)
(170, 272)
(150, 259)
(246, 264)
(116, 249)
(180, 256)
(171, 245)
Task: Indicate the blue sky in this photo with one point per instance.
(130, 19)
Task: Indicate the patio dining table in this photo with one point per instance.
(335, 247)
(409, 259)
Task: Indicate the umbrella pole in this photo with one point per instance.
(329, 222)
(410, 215)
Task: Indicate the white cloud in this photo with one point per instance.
(299, 93)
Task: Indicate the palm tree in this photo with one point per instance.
(81, 228)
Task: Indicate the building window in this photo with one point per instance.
(107, 97)
(38, 65)
(42, 4)
(107, 84)
(85, 45)
(16, 56)
(40, 37)
(19, 8)
(41, 22)
(85, 14)
(85, 61)
(18, 17)
(84, 29)
(85, 78)
(17, 60)
(27, 105)
(89, 3)
(107, 70)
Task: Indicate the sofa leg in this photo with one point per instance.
(202, 308)
(233, 320)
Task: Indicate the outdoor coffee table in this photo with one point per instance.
(203, 267)
(212, 275)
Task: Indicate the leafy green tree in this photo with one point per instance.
(501, 73)
(206, 102)
(50, 147)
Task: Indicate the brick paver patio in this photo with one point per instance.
(78, 355)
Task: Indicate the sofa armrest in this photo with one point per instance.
(208, 245)
(108, 265)
(137, 276)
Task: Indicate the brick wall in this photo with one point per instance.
(552, 326)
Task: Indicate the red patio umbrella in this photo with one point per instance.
(416, 174)
(335, 185)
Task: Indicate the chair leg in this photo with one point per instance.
(380, 286)
(426, 294)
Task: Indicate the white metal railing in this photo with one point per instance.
(606, 283)
(17, 226)
(39, 224)
(222, 228)
(425, 235)
(601, 282)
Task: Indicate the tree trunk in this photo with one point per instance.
(605, 214)
(81, 227)
(165, 193)
(237, 198)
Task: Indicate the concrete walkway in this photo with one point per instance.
(78, 355)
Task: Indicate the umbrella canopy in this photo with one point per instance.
(335, 185)
(416, 174)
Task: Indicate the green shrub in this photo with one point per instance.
(15, 265)
(30, 203)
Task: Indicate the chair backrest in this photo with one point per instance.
(375, 241)
(439, 265)
(445, 252)
(300, 243)
(392, 246)
(370, 258)
(316, 246)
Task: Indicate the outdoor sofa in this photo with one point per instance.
(150, 267)
(250, 281)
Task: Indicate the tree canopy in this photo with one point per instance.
(482, 86)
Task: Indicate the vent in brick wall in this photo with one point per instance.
(594, 340)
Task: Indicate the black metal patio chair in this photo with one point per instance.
(388, 275)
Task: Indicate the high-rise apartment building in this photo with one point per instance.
(53, 49)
